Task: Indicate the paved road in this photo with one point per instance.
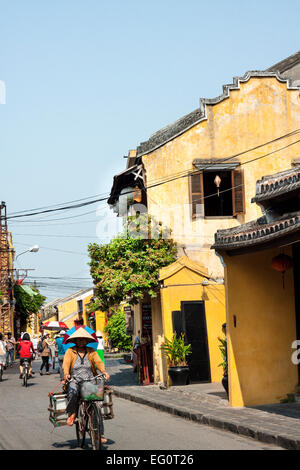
(24, 424)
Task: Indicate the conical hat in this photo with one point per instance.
(81, 333)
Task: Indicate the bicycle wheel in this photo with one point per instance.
(1, 372)
(81, 423)
(25, 377)
(95, 426)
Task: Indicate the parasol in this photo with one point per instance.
(54, 325)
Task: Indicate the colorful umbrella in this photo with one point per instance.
(54, 325)
(89, 330)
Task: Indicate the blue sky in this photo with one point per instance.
(87, 81)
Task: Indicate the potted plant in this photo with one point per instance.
(176, 351)
(224, 364)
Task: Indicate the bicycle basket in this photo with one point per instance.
(93, 390)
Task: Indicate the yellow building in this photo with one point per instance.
(74, 307)
(197, 175)
(262, 275)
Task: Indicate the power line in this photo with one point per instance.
(50, 235)
(54, 249)
(160, 182)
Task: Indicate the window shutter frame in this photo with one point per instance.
(238, 192)
(196, 178)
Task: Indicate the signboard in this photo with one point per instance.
(146, 320)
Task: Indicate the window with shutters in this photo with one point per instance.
(217, 193)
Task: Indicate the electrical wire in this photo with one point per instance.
(75, 206)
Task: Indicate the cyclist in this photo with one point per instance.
(26, 351)
(80, 363)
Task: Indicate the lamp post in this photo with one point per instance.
(33, 249)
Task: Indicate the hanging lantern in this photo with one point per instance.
(282, 263)
(217, 182)
(137, 194)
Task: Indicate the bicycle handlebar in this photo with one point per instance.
(87, 380)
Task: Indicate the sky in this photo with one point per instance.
(87, 81)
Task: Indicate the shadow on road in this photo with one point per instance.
(70, 444)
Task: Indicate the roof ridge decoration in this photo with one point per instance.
(246, 235)
(188, 121)
(180, 263)
(271, 186)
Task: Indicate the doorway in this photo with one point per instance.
(191, 320)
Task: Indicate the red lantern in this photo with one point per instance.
(282, 263)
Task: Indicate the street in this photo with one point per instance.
(25, 425)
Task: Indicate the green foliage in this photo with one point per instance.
(116, 329)
(128, 266)
(176, 350)
(27, 304)
(223, 349)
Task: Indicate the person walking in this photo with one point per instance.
(45, 354)
(10, 349)
(61, 349)
(2, 350)
(136, 344)
(53, 352)
(35, 343)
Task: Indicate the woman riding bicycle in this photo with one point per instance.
(26, 351)
(80, 363)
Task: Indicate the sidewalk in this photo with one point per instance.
(277, 424)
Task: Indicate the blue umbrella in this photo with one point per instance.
(88, 330)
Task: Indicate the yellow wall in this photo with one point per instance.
(261, 110)
(68, 310)
(185, 285)
(259, 347)
(100, 323)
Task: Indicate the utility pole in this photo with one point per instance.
(5, 272)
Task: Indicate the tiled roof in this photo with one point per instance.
(278, 184)
(120, 181)
(286, 64)
(256, 232)
(185, 123)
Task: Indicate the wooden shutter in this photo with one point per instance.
(196, 193)
(238, 192)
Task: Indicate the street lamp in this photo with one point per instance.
(33, 249)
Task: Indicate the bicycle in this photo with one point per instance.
(89, 419)
(26, 367)
(1, 372)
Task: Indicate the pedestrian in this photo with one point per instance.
(53, 352)
(136, 344)
(61, 349)
(26, 351)
(100, 347)
(2, 350)
(10, 349)
(45, 354)
(35, 343)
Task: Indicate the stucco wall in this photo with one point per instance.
(261, 110)
(259, 347)
(191, 289)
